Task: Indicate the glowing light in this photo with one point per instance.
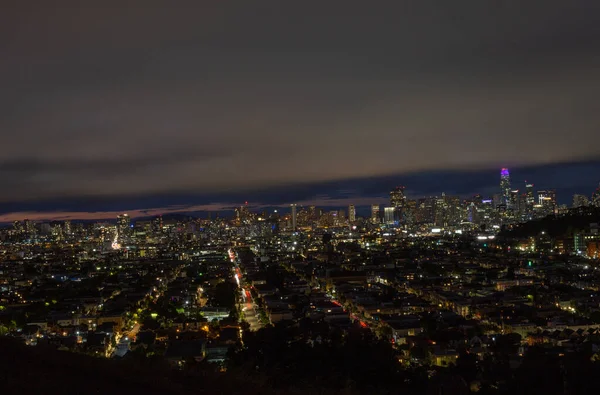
(115, 244)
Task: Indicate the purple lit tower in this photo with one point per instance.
(505, 186)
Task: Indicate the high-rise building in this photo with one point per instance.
(505, 186)
(547, 201)
(351, 213)
(67, 228)
(441, 211)
(18, 226)
(522, 214)
(409, 213)
(375, 214)
(497, 201)
(397, 197)
(29, 226)
(294, 216)
(514, 202)
(123, 223)
(157, 224)
(425, 212)
(313, 215)
(596, 197)
(529, 200)
(389, 214)
(580, 201)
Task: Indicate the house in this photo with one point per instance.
(441, 357)
(181, 352)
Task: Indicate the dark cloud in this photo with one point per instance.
(133, 98)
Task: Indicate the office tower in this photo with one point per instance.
(522, 213)
(18, 226)
(67, 228)
(580, 201)
(440, 212)
(529, 200)
(409, 213)
(514, 202)
(505, 186)
(294, 216)
(425, 210)
(547, 202)
(351, 213)
(397, 197)
(29, 226)
(471, 210)
(596, 197)
(486, 213)
(497, 200)
(389, 214)
(157, 224)
(123, 222)
(375, 213)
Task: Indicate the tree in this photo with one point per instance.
(385, 332)
(225, 294)
(595, 317)
(466, 366)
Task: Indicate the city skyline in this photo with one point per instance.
(376, 191)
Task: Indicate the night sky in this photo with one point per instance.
(202, 105)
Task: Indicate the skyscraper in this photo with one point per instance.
(389, 215)
(580, 201)
(397, 197)
(375, 213)
(351, 213)
(67, 228)
(123, 222)
(596, 197)
(514, 202)
(529, 200)
(294, 216)
(505, 186)
(157, 224)
(547, 201)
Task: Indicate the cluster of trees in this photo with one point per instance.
(311, 355)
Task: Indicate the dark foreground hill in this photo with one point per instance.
(37, 370)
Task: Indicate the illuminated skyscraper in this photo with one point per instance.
(123, 223)
(529, 200)
(596, 197)
(505, 186)
(18, 226)
(375, 213)
(29, 226)
(67, 228)
(397, 197)
(580, 201)
(389, 215)
(351, 213)
(514, 201)
(547, 201)
(294, 216)
(157, 224)
(425, 212)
